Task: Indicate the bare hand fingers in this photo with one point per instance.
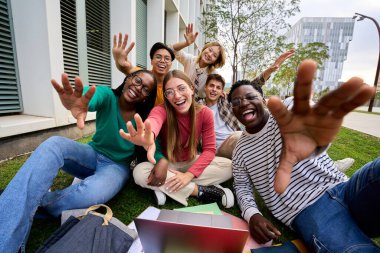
(150, 153)
(346, 93)
(125, 41)
(130, 47)
(279, 111)
(149, 135)
(365, 93)
(131, 129)
(139, 124)
(88, 95)
(303, 86)
(114, 41)
(66, 84)
(125, 135)
(78, 87)
(57, 87)
(81, 117)
(119, 40)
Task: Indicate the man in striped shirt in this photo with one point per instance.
(282, 155)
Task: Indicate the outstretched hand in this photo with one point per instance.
(189, 35)
(143, 136)
(305, 128)
(120, 54)
(280, 60)
(73, 100)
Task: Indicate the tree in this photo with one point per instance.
(317, 51)
(274, 91)
(247, 28)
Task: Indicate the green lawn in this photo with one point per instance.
(133, 199)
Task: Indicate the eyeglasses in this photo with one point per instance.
(181, 89)
(236, 102)
(165, 58)
(137, 81)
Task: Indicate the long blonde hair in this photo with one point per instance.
(220, 61)
(173, 134)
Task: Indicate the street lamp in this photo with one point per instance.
(361, 17)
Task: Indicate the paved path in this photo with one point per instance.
(363, 122)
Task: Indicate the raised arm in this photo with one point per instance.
(276, 65)
(73, 100)
(190, 37)
(120, 53)
(305, 129)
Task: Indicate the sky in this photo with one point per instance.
(363, 50)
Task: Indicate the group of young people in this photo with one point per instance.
(197, 137)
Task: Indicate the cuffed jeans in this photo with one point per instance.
(103, 179)
(346, 216)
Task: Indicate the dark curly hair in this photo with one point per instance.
(142, 108)
(255, 84)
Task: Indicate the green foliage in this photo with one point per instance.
(377, 96)
(274, 91)
(287, 72)
(247, 28)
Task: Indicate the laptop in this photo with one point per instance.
(176, 231)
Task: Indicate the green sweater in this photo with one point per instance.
(109, 121)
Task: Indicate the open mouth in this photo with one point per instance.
(161, 67)
(132, 93)
(180, 103)
(249, 114)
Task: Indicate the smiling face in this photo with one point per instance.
(213, 90)
(137, 87)
(249, 108)
(179, 94)
(210, 55)
(161, 62)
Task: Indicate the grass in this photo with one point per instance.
(132, 200)
(373, 113)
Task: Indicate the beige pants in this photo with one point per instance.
(228, 145)
(218, 171)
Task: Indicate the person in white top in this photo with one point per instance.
(197, 68)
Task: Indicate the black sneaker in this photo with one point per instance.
(212, 193)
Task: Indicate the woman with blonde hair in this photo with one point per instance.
(212, 57)
(181, 124)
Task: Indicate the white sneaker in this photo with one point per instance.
(228, 197)
(344, 164)
(160, 198)
(76, 181)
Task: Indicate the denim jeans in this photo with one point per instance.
(346, 216)
(103, 179)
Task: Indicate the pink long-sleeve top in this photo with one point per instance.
(204, 130)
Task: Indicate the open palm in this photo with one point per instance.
(120, 53)
(189, 35)
(305, 128)
(72, 99)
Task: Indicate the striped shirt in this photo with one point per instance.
(254, 164)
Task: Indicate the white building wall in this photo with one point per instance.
(39, 50)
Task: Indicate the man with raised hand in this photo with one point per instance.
(282, 155)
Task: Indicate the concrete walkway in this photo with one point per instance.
(363, 122)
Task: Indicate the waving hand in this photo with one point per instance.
(305, 129)
(73, 100)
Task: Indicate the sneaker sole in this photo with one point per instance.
(229, 196)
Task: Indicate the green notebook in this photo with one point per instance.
(212, 208)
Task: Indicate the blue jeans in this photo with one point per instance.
(346, 216)
(103, 179)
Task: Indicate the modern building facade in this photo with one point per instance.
(39, 40)
(336, 33)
